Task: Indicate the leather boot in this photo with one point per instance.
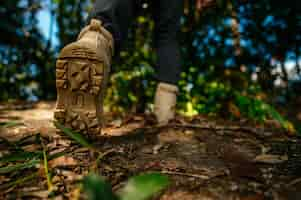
(82, 71)
(165, 102)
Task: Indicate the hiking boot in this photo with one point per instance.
(165, 102)
(82, 71)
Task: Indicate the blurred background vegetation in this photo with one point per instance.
(239, 57)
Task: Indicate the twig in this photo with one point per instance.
(203, 177)
(294, 182)
(100, 157)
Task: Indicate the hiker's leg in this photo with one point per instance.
(167, 25)
(116, 16)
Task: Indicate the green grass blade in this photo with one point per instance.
(18, 181)
(74, 135)
(25, 155)
(48, 176)
(30, 164)
(144, 186)
(97, 188)
(20, 156)
(10, 124)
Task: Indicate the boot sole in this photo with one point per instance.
(80, 85)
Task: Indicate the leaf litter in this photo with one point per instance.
(203, 157)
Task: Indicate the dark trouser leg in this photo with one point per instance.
(116, 16)
(167, 16)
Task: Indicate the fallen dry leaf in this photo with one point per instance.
(43, 194)
(63, 161)
(31, 147)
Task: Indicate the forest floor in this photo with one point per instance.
(205, 158)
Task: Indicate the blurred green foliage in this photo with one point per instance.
(232, 51)
(141, 187)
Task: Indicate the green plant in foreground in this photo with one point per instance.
(19, 161)
(141, 187)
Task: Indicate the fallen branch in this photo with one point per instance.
(255, 131)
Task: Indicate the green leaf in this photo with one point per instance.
(10, 124)
(20, 156)
(30, 164)
(74, 135)
(97, 188)
(144, 186)
(24, 155)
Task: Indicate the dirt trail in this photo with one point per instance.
(204, 158)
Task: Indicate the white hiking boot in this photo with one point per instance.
(165, 102)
